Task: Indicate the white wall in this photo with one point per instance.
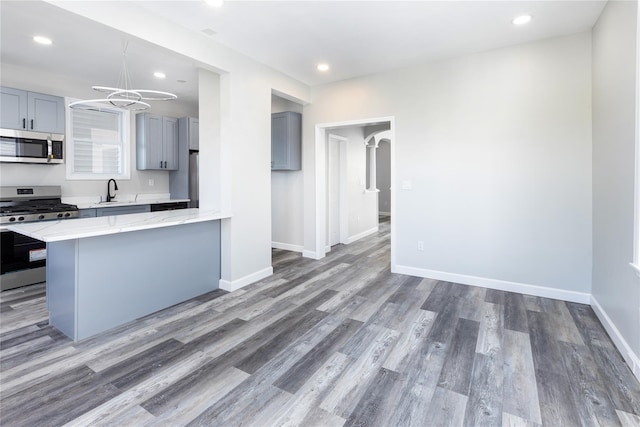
(497, 147)
(287, 226)
(616, 288)
(30, 174)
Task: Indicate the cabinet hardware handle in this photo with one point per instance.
(165, 164)
(160, 164)
(31, 124)
(24, 123)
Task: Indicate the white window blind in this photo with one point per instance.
(97, 144)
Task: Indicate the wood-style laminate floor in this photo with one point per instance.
(340, 341)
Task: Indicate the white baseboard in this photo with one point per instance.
(362, 235)
(287, 247)
(246, 280)
(501, 285)
(629, 356)
(310, 254)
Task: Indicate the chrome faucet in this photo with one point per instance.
(115, 188)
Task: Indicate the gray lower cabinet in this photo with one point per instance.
(32, 111)
(286, 139)
(122, 210)
(86, 213)
(113, 210)
(156, 142)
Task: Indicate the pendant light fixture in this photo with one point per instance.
(123, 95)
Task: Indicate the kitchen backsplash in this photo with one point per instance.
(17, 174)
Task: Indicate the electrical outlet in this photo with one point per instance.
(420, 245)
(151, 182)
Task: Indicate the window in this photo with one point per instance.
(98, 144)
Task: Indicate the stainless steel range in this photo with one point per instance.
(23, 259)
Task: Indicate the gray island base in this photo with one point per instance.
(98, 282)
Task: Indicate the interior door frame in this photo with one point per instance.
(342, 191)
(320, 220)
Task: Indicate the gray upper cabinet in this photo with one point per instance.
(170, 142)
(31, 111)
(156, 142)
(286, 139)
(190, 129)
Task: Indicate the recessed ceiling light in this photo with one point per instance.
(521, 20)
(214, 3)
(160, 75)
(323, 67)
(42, 40)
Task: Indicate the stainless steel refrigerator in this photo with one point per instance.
(183, 182)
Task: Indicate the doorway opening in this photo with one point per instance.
(287, 192)
(354, 165)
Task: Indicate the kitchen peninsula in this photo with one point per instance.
(103, 272)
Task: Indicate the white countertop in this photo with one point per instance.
(68, 229)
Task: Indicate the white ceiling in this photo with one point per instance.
(354, 37)
(365, 37)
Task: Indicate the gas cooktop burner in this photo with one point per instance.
(29, 204)
(28, 209)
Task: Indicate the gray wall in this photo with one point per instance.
(616, 289)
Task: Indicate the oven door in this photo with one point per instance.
(23, 260)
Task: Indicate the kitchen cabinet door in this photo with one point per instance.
(23, 110)
(86, 213)
(286, 139)
(13, 114)
(123, 210)
(170, 142)
(156, 142)
(194, 133)
(45, 113)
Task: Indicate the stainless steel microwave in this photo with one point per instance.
(21, 146)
